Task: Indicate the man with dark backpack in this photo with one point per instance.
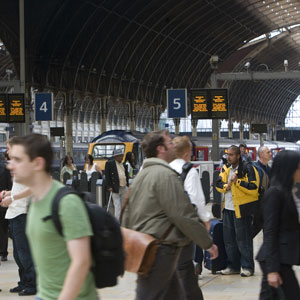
(63, 262)
(263, 169)
(193, 188)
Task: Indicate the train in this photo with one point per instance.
(102, 147)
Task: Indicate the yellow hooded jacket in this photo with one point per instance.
(244, 191)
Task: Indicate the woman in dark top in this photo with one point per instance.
(281, 244)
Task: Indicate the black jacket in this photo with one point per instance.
(281, 243)
(112, 176)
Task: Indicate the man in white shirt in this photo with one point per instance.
(192, 186)
(17, 201)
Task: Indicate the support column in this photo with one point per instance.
(194, 127)
(250, 133)
(274, 133)
(268, 133)
(132, 116)
(241, 130)
(155, 118)
(103, 115)
(22, 129)
(68, 118)
(176, 123)
(230, 128)
(215, 125)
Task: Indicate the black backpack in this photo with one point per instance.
(106, 243)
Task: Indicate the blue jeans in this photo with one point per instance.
(22, 253)
(238, 241)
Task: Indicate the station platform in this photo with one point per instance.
(214, 287)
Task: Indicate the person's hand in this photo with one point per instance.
(110, 190)
(233, 178)
(228, 187)
(207, 225)
(3, 194)
(274, 279)
(6, 201)
(213, 251)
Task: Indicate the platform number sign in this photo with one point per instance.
(177, 103)
(43, 106)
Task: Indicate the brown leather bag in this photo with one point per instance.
(140, 248)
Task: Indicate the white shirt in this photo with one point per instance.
(228, 196)
(192, 185)
(20, 206)
(89, 172)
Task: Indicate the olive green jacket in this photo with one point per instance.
(157, 199)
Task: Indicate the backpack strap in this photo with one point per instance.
(55, 207)
(185, 170)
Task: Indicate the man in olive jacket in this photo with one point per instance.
(157, 200)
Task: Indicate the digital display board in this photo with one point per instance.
(209, 103)
(3, 108)
(16, 108)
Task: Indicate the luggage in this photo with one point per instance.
(106, 242)
(220, 263)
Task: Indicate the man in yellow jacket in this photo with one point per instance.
(239, 183)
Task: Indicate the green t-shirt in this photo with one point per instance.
(49, 249)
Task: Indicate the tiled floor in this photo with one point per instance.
(214, 287)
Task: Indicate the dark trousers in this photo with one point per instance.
(162, 282)
(290, 285)
(22, 253)
(187, 273)
(238, 241)
(3, 232)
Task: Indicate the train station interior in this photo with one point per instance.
(109, 64)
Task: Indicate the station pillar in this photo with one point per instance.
(230, 128)
(241, 130)
(155, 117)
(268, 133)
(176, 123)
(69, 118)
(194, 127)
(274, 133)
(250, 133)
(132, 116)
(103, 115)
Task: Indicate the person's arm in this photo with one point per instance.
(221, 185)
(192, 185)
(62, 173)
(107, 176)
(9, 198)
(249, 187)
(80, 254)
(272, 207)
(180, 211)
(98, 169)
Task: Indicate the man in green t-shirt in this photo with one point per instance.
(62, 262)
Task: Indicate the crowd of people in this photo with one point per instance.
(165, 196)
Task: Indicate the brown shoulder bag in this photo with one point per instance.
(140, 248)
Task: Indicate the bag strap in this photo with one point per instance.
(125, 203)
(185, 170)
(55, 207)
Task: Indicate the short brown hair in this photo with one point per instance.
(35, 145)
(152, 140)
(182, 144)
